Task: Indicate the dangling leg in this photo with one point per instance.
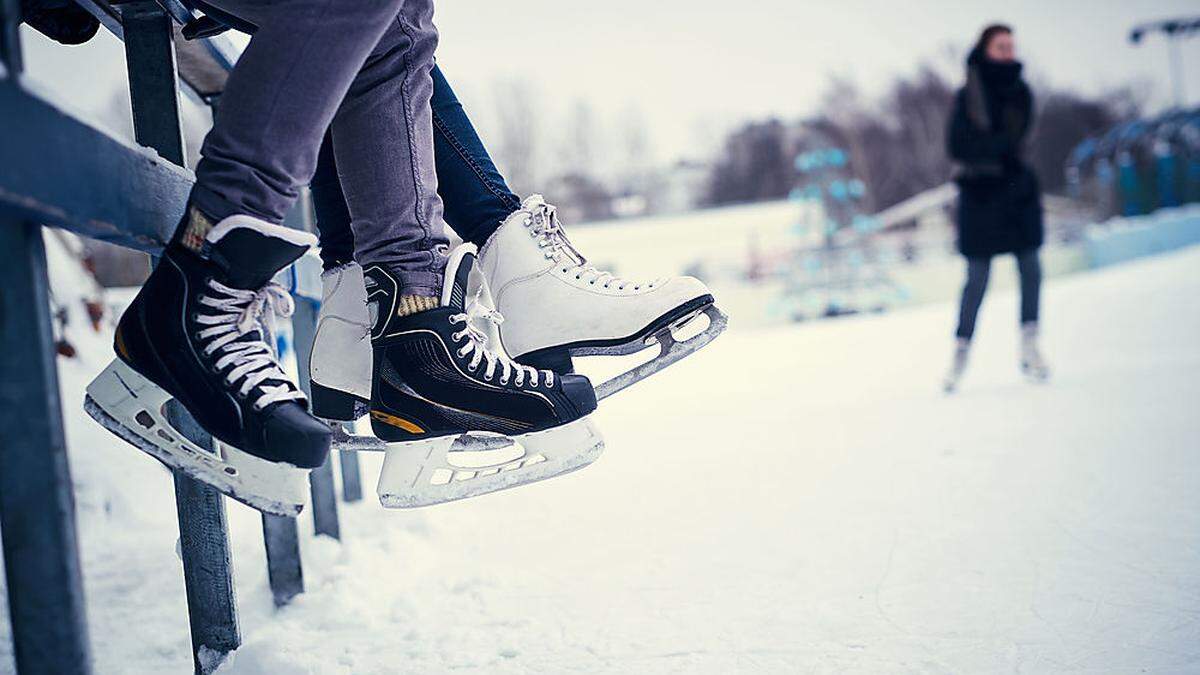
(1030, 270)
(627, 317)
(195, 331)
(978, 271)
(433, 378)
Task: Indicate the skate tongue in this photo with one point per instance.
(251, 251)
(458, 276)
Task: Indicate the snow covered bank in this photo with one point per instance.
(794, 499)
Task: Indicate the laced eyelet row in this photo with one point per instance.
(478, 341)
(238, 313)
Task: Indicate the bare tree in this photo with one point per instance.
(517, 124)
(579, 147)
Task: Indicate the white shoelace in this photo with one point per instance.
(477, 344)
(253, 361)
(543, 225)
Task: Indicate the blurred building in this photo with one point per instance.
(1140, 166)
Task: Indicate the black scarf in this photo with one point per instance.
(996, 94)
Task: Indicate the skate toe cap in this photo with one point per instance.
(297, 437)
(578, 390)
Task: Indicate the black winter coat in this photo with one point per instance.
(999, 202)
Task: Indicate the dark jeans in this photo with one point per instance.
(474, 195)
(978, 271)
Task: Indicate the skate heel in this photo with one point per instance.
(431, 471)
(334, 404)
(126, 403)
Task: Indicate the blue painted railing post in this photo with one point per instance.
(203, 533)
(37, 507)
(351, 474)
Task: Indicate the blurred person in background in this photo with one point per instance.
(999, 203)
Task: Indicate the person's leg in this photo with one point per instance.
(283, 94)
(383, 145)
(214, 276)
(477, 198)
(978, 270)
(329, 206)
(1030, 270)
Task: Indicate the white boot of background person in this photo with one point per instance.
(340, 367)
(1032, 363)
(962, 349)
(555, 305)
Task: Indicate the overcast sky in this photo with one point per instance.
(693, 65)
(691, 68)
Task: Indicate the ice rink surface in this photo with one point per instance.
(791, 500)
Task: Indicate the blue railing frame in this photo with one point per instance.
(60, 171)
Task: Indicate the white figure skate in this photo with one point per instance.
(556, 305)
(1032, 364)
(962, 349)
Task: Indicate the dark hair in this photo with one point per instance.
(988, 33)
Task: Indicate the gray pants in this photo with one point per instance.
(362, 70)
(978, 271)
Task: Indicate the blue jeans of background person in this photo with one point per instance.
(474, 195)
(978, 271)
(361, 72)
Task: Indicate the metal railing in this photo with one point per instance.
(59, 171)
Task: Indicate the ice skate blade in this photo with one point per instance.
(427, 472)
(347, 442)
(132, 407)
(671, 349)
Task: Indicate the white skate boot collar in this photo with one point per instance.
(231, 223)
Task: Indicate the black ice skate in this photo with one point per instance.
(440, 400)
(198, 331)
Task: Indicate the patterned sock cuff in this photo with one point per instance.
(411, 304)
(194, 229)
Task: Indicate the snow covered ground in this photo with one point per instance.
(797, 499)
